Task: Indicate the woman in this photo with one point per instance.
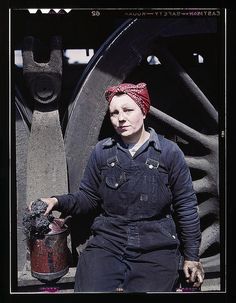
(139, 179)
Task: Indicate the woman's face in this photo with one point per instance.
(126, 116)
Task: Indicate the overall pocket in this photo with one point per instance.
(113, 185)
(114, 181)
(167, 227)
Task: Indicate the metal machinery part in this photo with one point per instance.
(120, 59)
(134, 42)
(46, 170)
(46, 162)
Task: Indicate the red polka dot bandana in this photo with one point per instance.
(138, 92)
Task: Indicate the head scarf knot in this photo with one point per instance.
(138, 93)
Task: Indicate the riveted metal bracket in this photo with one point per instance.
(43, 79)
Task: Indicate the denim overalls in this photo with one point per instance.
(135, 236)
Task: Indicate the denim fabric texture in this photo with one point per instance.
(141, 198)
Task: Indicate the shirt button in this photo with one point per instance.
(116, 184)
(173, 236)
(150, 166)
(112, 164)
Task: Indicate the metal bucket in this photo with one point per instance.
(50, 256)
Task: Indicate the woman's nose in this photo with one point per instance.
(121, 116)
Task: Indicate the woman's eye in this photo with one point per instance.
(128, 110)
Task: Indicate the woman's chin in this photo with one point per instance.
(125, 134)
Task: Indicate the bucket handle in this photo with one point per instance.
(66, 219)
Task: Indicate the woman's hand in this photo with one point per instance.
(194, 272)
(51, 202)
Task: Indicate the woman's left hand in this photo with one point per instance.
(194, 272)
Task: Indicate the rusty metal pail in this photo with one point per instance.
(49, 256)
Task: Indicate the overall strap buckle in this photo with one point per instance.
(112, 161)
(152, 164)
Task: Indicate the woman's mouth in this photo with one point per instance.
(122, 128)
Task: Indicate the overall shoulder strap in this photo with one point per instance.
(161, 138)
(106, 155)
(155, 154)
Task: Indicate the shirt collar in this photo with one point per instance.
(109, 142)
(153, 139)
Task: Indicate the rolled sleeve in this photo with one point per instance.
(86, 199)
(184, 203)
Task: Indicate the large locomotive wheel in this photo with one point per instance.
(117, 61)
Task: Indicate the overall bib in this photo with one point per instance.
(135, 245)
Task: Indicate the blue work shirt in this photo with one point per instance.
(138, 195)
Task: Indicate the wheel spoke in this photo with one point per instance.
(187, 132)
(210, 206)
(177, 70)
(210, 236)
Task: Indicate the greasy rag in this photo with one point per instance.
(138, 92)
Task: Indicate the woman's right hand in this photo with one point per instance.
(51, 202)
